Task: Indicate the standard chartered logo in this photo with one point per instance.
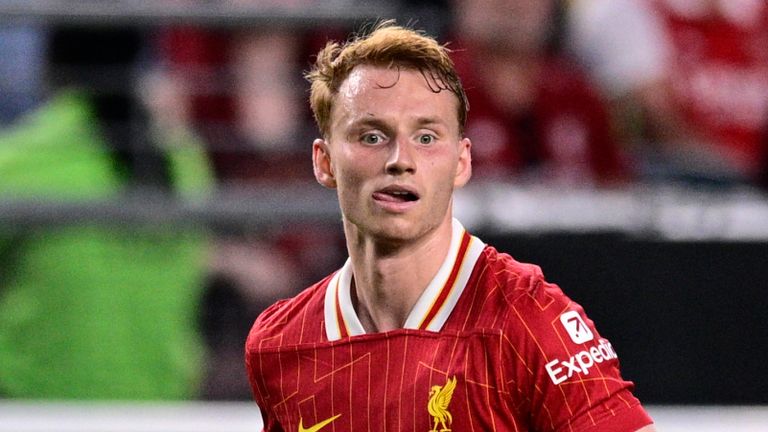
(580, 362)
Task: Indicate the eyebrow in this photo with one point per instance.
(379, 123)
(424, 121)
(366, 122)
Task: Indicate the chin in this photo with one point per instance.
(388, 228)
(401, 230)
(394, 229)
(397, 233)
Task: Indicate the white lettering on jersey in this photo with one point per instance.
(580, 363)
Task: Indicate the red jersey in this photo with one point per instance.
(490, 345)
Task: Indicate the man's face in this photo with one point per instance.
(394, 153)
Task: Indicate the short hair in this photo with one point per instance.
(386, 45)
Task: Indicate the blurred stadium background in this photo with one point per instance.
(156, 193)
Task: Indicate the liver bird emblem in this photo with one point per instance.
(439, 398)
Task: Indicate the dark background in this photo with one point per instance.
(687, 318)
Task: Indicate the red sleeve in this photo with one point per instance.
(572, 373)
(253, 342)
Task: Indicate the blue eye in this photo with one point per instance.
(372, 139)
(426, 139)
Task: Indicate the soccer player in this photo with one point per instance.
(425, 327)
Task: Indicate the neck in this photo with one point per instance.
(390, 276)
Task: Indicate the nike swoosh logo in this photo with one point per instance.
(318, 426)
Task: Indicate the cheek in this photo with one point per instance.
(353, 168)
(444, 171)
(349, 183)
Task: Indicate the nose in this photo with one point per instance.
(401, 158)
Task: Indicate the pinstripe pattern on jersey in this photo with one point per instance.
(496, 341)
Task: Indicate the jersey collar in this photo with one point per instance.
(433, 307)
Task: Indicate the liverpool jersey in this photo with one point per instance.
(489, 346)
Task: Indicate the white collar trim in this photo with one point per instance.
(433, 307)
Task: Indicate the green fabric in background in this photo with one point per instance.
(86, 311)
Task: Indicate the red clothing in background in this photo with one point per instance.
(719, 74)
(564, 131)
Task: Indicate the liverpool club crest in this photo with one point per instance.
(439, 399)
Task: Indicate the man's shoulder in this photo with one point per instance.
(556, 349)
(517, 285)
(289, 318)
(529, 303)
(514, 278)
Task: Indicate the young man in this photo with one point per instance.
(425, 327)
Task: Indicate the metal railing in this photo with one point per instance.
(208, 13)
(664, 212)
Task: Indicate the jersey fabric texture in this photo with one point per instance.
(490, 345)
(94, 311)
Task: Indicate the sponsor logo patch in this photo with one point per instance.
(576, 327)
(580, 363)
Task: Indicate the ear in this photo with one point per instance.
(321, 164)
(464, 167)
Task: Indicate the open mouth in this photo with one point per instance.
(394, 194)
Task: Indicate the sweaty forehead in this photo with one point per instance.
(372, 88)
(367, 77)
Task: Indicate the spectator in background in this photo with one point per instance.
(241, 91)
(533, 112)
(91, 311)
(242, 96)
(689, 78)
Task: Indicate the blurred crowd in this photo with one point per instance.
(583, 93)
